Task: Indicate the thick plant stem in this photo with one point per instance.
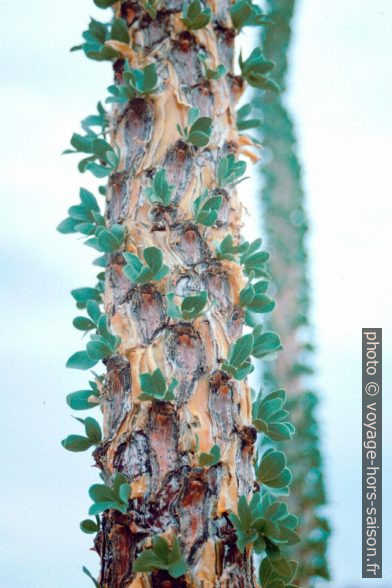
(156, 444)
(286, 224)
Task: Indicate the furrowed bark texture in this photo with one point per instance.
(286, 223)
(154, 444)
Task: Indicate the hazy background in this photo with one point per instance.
(340, 95)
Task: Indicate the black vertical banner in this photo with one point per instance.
(371, 453)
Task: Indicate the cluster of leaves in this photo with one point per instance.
(154, 387)
(229, 171)
(211, 74)
(255, 70)
(83, 218)
(191, 306)
(160, 191)
(97, 149)
(96, 36)
(243, 122)
(272, 471)
(211, 458)
(162, 556)
(270, 578)
(102, 344)
(93, 436)
(206, 208)
(246, 14)
(138, 273)
(137, 82)
(254, 298)
(105, 497)
(267, 526)
(257, 344)
(85, 399)
(195, 16)
(270, 418)
(198, 129)
(86, 218)
(252, 260)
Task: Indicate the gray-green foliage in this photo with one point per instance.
(95, 37)
(105, 497)
(267, 526)
(84, 217)
(257, 344)
(195, 16)
(243, 121)
(136, 82)
(89, 526)
(270, 578)
(238, 363)
(89, 575)
(207, 208)
(80, 442)
(211, 74)
(154, 271)
(160, 191)
(162, 557)
(102, 344)
(84, 399)
(270, 418)
(211, 458)
(246, 14)
(154, 387)
(256, 70)
(198, 129)
(229, 171)
(191, 306)
(272, 471)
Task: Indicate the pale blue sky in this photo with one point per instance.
(340, 96)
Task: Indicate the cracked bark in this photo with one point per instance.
(154, 444)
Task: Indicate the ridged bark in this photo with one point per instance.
(286, 225)
(154, 444)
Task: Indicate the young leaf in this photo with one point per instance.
(229, 171)
(238, 363)
(194, 16)
(140, 274)
(88, 526)
(211, 458)
(154, 387)
(270, 418)
(160, 191)
(244, 13)
(105, 497)
(162, 557)
(255, 70)
(81, 361)
(85, 570)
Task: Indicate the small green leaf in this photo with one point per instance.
(76, 443)
(89, 526)
(211, 458)
(93, 430)
(194, 16)
(119, 31)
(82, 400)
(81, 361)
